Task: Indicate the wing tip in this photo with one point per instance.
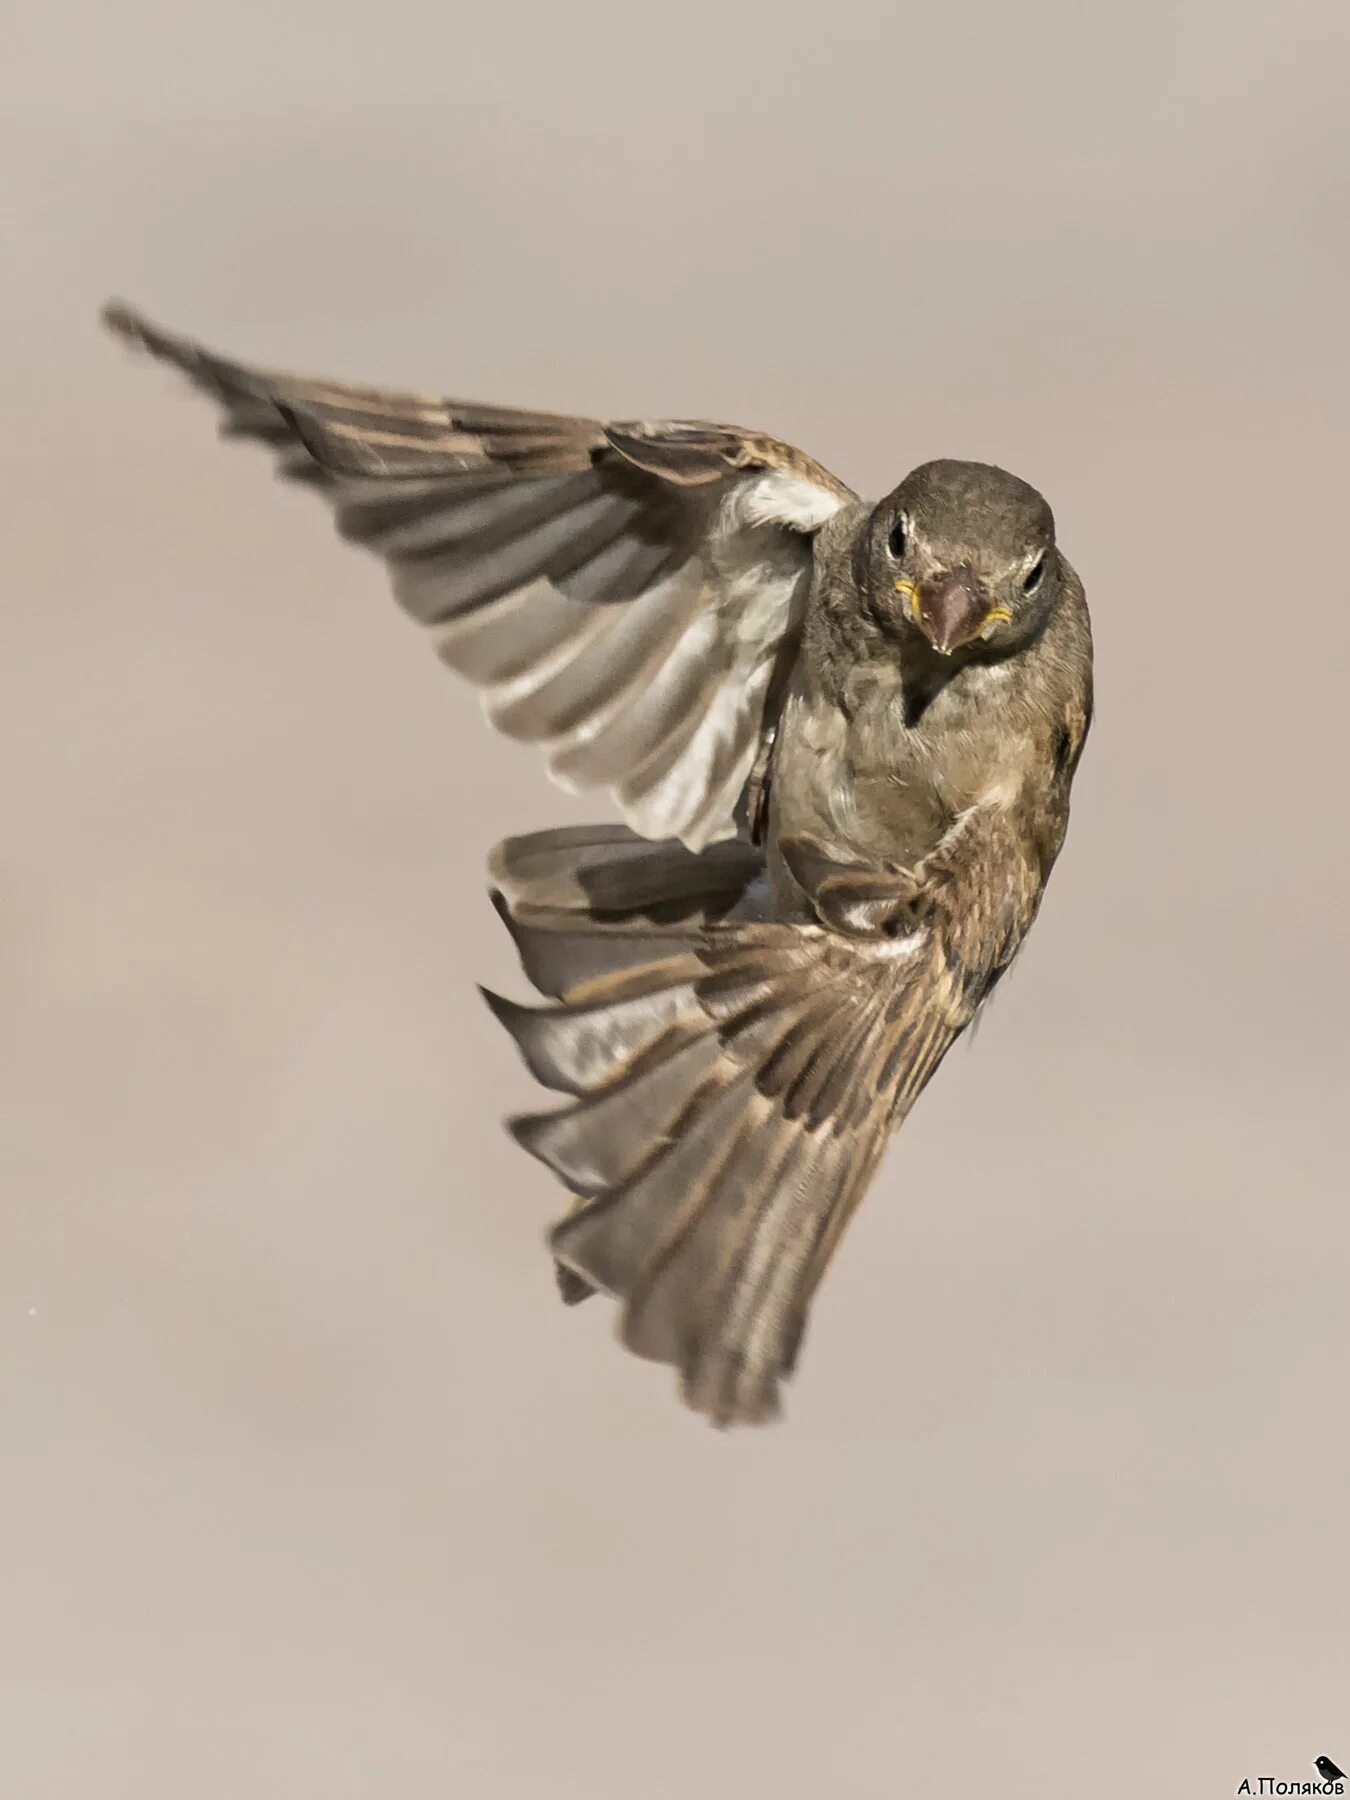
(122, 319)
(133, 328)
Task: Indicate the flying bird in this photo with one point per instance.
(841, 738)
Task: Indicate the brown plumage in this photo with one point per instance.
(842, 737)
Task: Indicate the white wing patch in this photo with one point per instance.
(779, 498)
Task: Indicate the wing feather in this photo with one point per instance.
(728, 1094)
(621, 594)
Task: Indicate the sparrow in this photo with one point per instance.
(1327, 1769)
(840, 736)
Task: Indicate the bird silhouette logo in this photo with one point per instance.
(1327, 1769)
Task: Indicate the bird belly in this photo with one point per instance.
(864, 787)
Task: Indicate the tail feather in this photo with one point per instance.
(731, 1087)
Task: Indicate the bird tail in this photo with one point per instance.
(732, 1084)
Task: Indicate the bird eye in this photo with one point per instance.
(899, 538)
(1032, 579)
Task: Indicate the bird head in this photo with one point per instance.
(964, 554)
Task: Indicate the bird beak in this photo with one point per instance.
(950, 610)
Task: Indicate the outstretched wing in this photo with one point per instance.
(731, 1081)
(622, 594)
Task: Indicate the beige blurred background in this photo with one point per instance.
(308, 1487)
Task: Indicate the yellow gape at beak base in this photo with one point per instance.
(910, 595)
